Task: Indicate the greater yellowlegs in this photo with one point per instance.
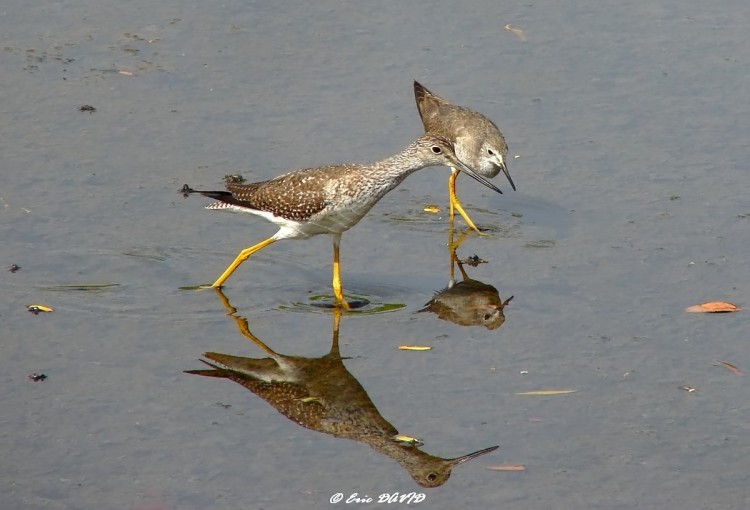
(478, 142)
(322, 395)
(328, 199)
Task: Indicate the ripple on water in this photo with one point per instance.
(359, 303)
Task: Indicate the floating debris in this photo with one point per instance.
(687, 388)
(86, 108)
(473, 261)
(540, 243)
(560, 391)
(732, 368)
(83, 287)
(516, 31)
(185, 190)
(507, 468)
(432, 209)
(713, 307)
(414, 347)
(234, 179)
(13, 268)
(35, 309)
(37, 377)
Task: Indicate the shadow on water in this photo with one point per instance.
(468, 302)
(321, 394)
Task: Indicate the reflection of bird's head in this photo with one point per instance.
(469, 303)
(434, 471)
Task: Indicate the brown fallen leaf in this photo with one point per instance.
(713, 307)
(414, 347)
(507, 468)
(561, 391)
(731, 368)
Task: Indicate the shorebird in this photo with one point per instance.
(320, 394)
(328, 199)
(478, 142)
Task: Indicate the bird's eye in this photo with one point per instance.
(490, 152)
(432, 477)
(436, 149)
(487, 316)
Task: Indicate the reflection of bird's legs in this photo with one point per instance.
(242, 325)
(336, 322)
(453, 244)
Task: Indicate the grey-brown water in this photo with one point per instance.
(630, 124)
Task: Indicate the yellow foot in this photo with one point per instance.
(457, 206)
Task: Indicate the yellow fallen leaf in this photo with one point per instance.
(713, 307)
(414, 347)
(39, 308)
(432, 209)
(562, 391)
(507, 468)
(402, 438)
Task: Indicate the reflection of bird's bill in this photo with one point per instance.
(471, 173)
(461, 460)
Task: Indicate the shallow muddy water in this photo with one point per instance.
(627, 132)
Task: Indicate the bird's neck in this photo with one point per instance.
(394, 169)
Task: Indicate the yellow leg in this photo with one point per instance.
(337, 290)
(454, 202)
(242, 257)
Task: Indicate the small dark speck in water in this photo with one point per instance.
(473, 261)
(185, 190)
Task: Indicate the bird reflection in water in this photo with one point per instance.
(322, 395)
(468, 302)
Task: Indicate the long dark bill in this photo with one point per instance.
(471, 173)
(504, 168)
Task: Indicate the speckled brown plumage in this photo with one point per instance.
(329, 199)
(346, 190)
(322, 395)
